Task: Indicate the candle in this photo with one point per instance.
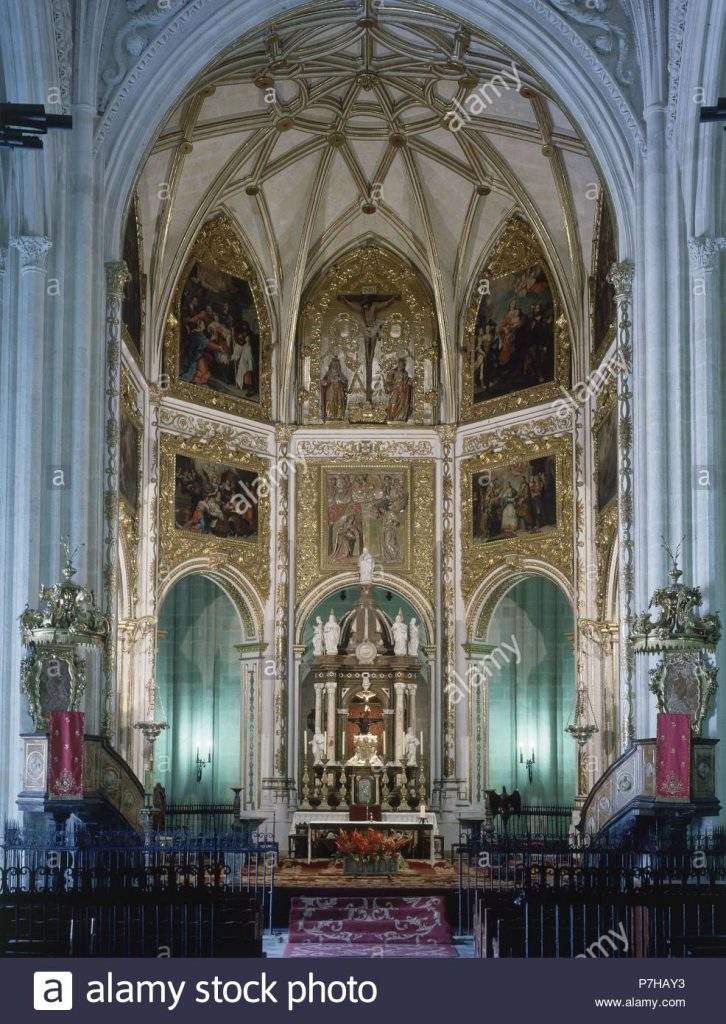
(342, 749)
(384, 742)
(422, 743)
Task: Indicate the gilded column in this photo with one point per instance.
(116, 277)
(621, 278)
(279, 487)
(448, 603)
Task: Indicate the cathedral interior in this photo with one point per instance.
(363, 447)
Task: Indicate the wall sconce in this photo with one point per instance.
(529, 763)
(202, 764)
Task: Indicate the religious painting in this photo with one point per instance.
(219, 341)
(368, 345)
(514, 338)
(517, 499)
(365, 508)
(606, 446)
(132, 317)
(129, 460)
(602, 293)
(215, 498)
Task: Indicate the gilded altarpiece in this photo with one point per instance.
(508, 470)
(217, 340)
(517, 338)
(243, 542)
(603, 306)
(368, 344)
(402, 491)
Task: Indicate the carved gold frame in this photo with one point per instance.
(606, 519)
(388, 272)
(135, 212)
(598, 351)
(515, 248)
(326, 565)
(553, 545)
(309, 563)
(219, 245)
(250, 555)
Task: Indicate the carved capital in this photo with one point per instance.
(33, 251)
(117, 274)
(704, 252)
(620, 277)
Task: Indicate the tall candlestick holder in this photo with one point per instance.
(305, 804)
(385, 792)
(343, 800)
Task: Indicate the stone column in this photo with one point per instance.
(708, 469)
(331, 690)
(250, 668)
(400, 691)
(319, 687)
(621, 278)
(412, 707)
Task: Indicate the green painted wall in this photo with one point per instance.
(532, 693)
(198, 678)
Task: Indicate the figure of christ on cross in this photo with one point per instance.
(368, 306)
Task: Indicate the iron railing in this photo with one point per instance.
(536, 897)
(97, 892)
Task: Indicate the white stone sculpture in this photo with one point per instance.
(366, 564)
(413, 638)
(318, 744)
(318, 640)
(400, 634)
(410, 746)
(331, 633)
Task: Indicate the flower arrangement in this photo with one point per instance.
(370, 851)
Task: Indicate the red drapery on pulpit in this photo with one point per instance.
(65, 764)
(673, 757)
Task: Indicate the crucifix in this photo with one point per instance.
(368, 306)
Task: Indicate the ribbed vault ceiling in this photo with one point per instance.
(330, 125)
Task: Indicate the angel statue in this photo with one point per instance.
(331, 633)
(413, 638)
(317, 746)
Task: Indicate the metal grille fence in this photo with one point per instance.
(107, 893)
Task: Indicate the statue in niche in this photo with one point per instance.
(318, 639)
(399, 387)
(413, 638)
(411, 743)
(317, 746)
(366, 565)
(368, 306)
(400, 634)
(331, 634)
(334, 391)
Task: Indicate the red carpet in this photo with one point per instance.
(403, 926)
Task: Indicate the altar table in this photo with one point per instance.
(425, 825)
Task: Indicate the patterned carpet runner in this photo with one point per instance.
(401, 926)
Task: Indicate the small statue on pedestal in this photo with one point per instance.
(331, 633)
(318, 639)
(317, 745)
(400, 634)
(366, 565)
(413, 638)
(411, 744)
